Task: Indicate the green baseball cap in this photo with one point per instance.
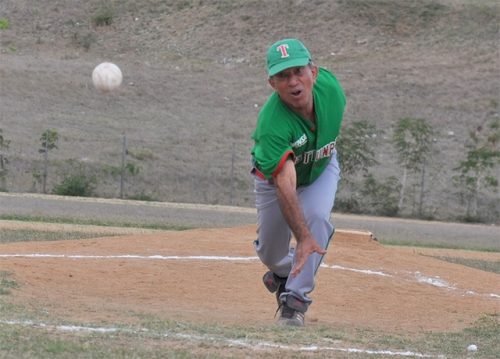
(286, 53)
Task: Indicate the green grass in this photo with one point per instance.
(484, 334)
(488, 266)
(443, 245)
(104, 223)
(153, 338)
(29, 235)
(4, 24)
(6, 284)
(24, 342)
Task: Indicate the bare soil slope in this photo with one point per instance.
(194, 81)
(212, 276)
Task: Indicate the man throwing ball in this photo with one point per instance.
(296, 174)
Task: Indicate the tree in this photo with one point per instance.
(356, 153)
(128, 167)
(412, 139)
(4, 144)
(48, 140)
(381, 197)
(476, 170)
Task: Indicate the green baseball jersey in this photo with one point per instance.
(281, 133)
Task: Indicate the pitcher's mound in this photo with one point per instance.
(213, 275)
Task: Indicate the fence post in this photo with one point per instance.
(232, 176)
(122, 172)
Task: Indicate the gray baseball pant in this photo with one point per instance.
(274, 234)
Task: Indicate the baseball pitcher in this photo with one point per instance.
(296, 173)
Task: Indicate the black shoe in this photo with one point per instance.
(274, 284)
(290, 317)
(292, 311)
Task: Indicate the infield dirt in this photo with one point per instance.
(212, 276)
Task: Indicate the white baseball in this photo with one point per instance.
(107, 77)
(472, 348)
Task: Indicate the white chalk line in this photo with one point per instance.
(187, 258)
(131, 256)
(435, 281)
(363, 271)
(415, 276)
(245, 343)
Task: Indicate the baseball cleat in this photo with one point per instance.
(274, 284)
(290, 317)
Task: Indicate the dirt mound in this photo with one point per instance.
(214, 276)
(356, 238)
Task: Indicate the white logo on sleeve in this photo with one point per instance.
(300, 142)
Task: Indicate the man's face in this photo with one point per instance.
(294, 86)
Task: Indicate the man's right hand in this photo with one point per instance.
(286, 190)
(304, 249)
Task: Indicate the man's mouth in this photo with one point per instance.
(296, 93)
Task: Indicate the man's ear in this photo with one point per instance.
(270, 80)
(315, 71)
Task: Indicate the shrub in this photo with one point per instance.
(347, 205)
(103, 16)
(76, 185)
(4, 24)
(181, 5)
(85, 40)
(141, 154)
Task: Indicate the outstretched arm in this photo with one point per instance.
(286, 190)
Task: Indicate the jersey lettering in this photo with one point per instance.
(308, 156)
(316, 155)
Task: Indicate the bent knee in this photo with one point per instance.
(277, 261)
(317, 217)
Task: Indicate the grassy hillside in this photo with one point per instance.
(194, 81)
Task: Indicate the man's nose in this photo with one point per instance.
(292, 80)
